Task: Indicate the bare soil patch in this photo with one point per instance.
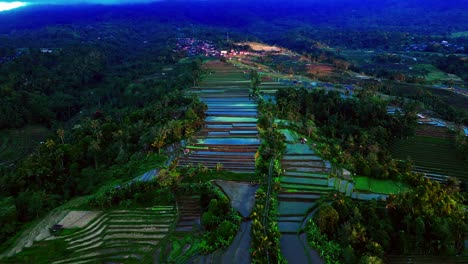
(78, 219)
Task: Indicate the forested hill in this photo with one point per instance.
(110, 97)
(427, 16)
(51, 74)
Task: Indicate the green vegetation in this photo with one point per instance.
(42, 252)
(413, 222)
(17, 143)
(179, 252)
(100, 149)
(367, 184)
(436, 156)
(220, 221)
(460, 34)
(265, 231)
(330, 251)
(255, 81)
(447, 105)
(108, 235)
(431, 72)
(430, 219)
(109, 101)
(354, 132)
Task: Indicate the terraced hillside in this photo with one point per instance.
(119, 236)
(433, 155)
(304, 181)
(422, 259)
(189, 213)
(229, 139)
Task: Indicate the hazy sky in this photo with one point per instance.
(8, 5)
(84, 1)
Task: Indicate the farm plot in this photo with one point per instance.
(189, 213)
(120, 235)
(229, 139)
(305, 179)
(436, 157)
(179, 248)
(366, 184)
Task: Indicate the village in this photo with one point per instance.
(196, 47)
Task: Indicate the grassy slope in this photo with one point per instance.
(434, 74)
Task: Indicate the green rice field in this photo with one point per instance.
(434, 156)
(367, 184)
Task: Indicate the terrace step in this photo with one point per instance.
(304, 163)
(303, 181)
(241, 166)
(298, 196)
(221, 134)
(214, 157)
(296, 250)
(301, 158)
(306, 188)
(289, 227)
(420, 259)
(303, 169)
(294, 208)
(233, 148)
(227, 162)
(189, 213)
(306, 174)
(110, 235)
(207, 154)
(290, 218)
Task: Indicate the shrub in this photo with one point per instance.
(330, 251)
(219, 220)
(370, 260)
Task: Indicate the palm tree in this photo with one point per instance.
(255, 81)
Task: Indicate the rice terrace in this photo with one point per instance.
(234, 132)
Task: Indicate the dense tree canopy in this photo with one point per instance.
(357, 130)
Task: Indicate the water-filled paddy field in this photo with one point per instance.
(230, 136)
(229, 141)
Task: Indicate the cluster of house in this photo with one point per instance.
(436, 46)
(194, 47)
(6, 59)
(11, 57)
(233, 53)
(21, 51)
